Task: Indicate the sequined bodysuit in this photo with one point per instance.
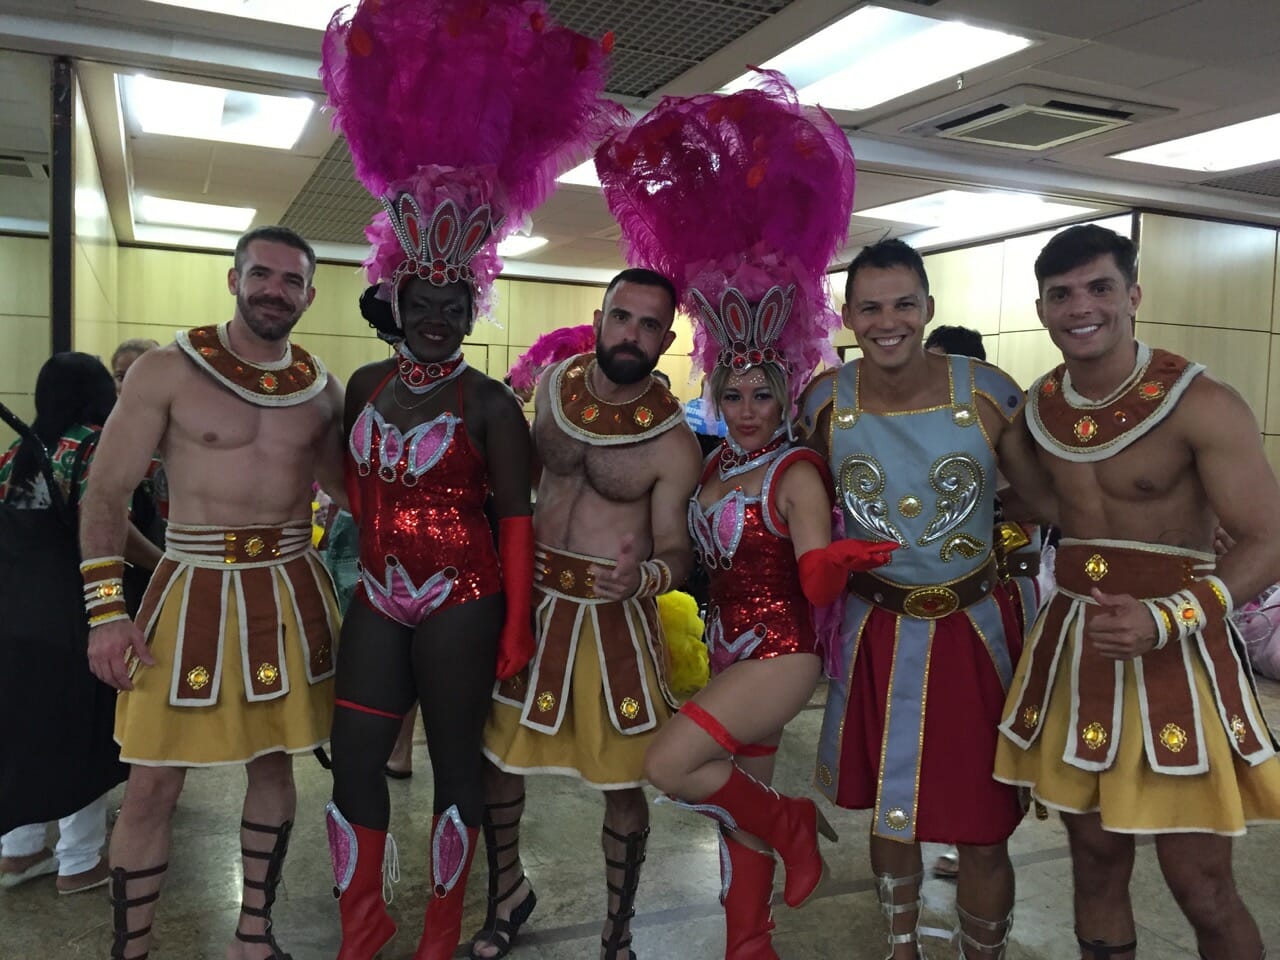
(756, 609)
(425, 543)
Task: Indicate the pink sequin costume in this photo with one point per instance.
(425, 543)
(757, 609)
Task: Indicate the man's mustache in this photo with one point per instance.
(271, 302)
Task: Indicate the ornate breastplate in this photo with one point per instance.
(1072, 427)
(923, 478)
(295, 378)
(586, 417)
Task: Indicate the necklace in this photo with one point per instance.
(422, 378)
(1080, 402)
(586, 379)
(734, 461)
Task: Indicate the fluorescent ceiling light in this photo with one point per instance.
(1227, 148)
(517, 245)
(875, 55)
(952, 216)
(193, 110)
(298, 13)
(182, 213)
(583, 175)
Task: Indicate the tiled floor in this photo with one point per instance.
(678, 912)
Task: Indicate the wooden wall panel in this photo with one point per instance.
(1026, 354)
(1018, 290)
(1237, 357)
(1205, 274)
(966, 287)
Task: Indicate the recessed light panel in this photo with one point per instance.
(193, 110)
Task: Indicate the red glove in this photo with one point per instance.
(515, 552)
(824, 572)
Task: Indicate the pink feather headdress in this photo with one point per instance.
(548, 349)
(742, 200)
(459, 114)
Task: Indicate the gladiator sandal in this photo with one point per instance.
(617, 946)
(364, 860)
(970, 948)
(746, 888)
(887, 886)
(453, 844)
(270, 881)
(1100, 950)
(497, 932)
(122, 903)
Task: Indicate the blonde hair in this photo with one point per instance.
(774, 378)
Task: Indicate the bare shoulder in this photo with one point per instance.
(492, 396)
(157, 374)
(678, 454)
(362, 382)
(1208, 405)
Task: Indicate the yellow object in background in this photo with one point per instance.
(688, 669)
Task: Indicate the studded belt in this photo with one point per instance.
(568, 574)
(1140, 571)
(259, 545)
(930, 602)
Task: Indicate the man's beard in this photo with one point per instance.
(268, 328)
(624, 364)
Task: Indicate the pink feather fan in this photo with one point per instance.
(548, 349)
(474, 101)
(742, 200)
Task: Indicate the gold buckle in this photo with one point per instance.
(930, 603)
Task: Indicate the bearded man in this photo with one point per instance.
(618, 467)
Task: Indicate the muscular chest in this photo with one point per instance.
(1152, 469)
(212, 418)
(621, 473)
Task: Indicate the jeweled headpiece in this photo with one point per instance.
(742, 200)
(459, 116)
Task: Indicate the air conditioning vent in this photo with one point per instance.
(23, 168)
(1030, 128)
(1031, 118)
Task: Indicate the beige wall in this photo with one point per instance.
(24, 324)
(95, 252)
(164, 290)
(1209, 293)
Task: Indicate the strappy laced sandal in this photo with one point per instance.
(267, 885)
(633, 852)
(121, 903)
(496, 931)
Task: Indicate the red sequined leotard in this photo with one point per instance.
(757, 609)
(418, 499)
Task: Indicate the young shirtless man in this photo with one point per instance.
(230, 658)
(1132, 711)
(618, 467)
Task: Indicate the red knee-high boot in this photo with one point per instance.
(453, 844)
(358, 856)
(788, 824)
(746, 887)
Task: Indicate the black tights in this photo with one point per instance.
(447, 664)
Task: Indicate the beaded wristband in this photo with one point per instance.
(1189, 611)
(655, 578)
(104, 590)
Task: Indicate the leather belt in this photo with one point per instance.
(926, 602)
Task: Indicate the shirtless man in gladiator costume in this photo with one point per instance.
(230, 658)
(618, 468)
(1133, 711)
